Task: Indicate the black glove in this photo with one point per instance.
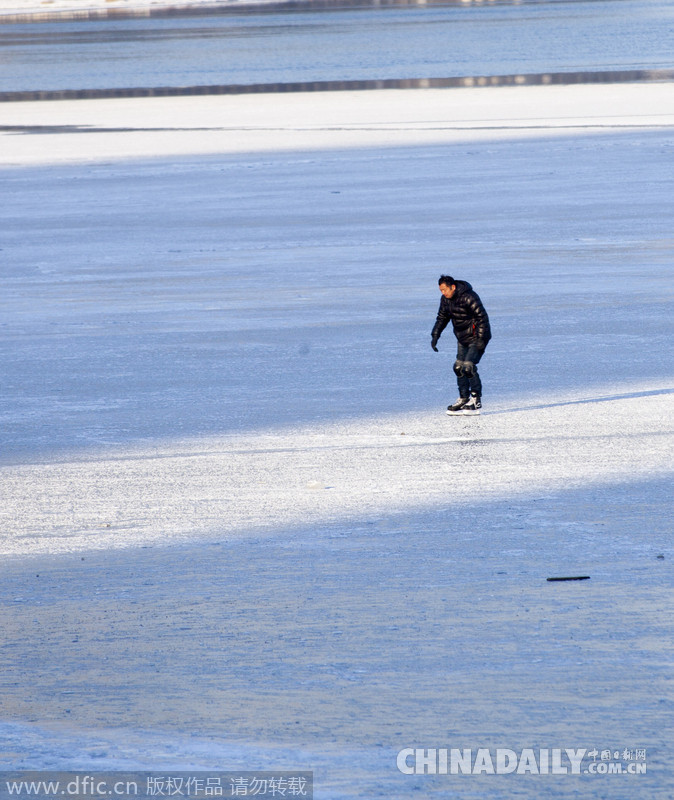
(480, 344)
(434, 342)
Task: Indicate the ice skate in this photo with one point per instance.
(458, 406)
(473, 406)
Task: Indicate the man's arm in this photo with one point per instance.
(441, 323)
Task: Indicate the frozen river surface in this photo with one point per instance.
(238, 529)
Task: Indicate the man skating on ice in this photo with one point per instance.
(461, 305)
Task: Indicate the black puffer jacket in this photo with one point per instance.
(467, 314)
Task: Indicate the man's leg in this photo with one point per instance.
(472, 357)
(462, 377)
(462, 381)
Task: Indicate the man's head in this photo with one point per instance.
(447, 286)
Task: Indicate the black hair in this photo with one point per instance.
(447, 280)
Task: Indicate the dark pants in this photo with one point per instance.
(468, 381)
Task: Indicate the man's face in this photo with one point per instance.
(447, 291)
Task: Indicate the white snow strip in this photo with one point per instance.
(127, 128)
(270, 481)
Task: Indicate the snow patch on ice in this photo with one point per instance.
(223, 486)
